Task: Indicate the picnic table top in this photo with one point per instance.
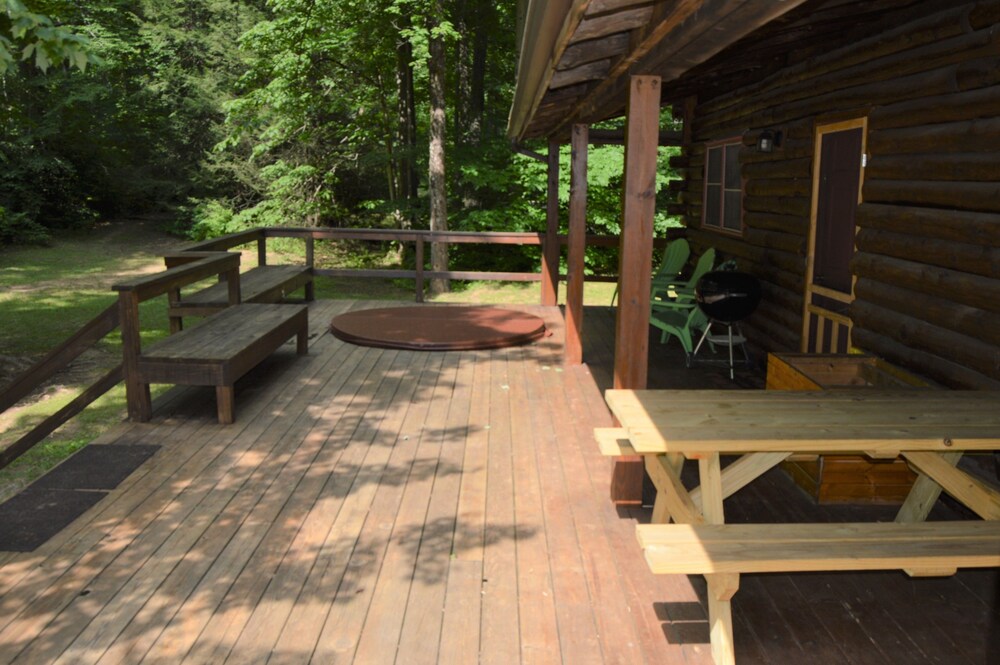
(872, 421)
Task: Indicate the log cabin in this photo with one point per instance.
(845, 152)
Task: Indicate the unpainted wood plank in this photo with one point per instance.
(742, 472)
(816, 547)
(672, 497)
(974, 493)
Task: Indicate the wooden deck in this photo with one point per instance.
(380, 506)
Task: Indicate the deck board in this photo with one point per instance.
(379, 506)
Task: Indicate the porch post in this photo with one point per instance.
(636, 253)
(577, 245)
(550, 258)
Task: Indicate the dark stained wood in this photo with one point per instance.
(608, 24)
(587, 72)
(590, 51)
(59, 357)
(577, 246)
(38, 433)
(638, 203)
(550, 256)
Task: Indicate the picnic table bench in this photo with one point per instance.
(261, 284)
(931, 430)
(218, 351)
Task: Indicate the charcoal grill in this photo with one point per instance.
(727, 297)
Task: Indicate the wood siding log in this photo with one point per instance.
(952, 225)
(915, 33)
(963, 257)
(974, 196)
(980, 135)
(951, 107)
(942, 312)
(935, 54)
(946, 167)
(943, 371)
(972, 290)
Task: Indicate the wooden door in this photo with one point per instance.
(837, 176)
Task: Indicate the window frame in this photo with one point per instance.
(718, 226)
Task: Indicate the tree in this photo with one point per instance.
(436, 166)
(39, 39)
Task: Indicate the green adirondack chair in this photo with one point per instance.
(668, 293)
(682, 322)
(675, 255)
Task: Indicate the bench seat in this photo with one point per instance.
(923, 548)
(263, 284)
(224, 347)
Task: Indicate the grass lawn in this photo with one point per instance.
(48, 293)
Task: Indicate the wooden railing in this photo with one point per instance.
(421, 238)
(57, 359)
(108, 321)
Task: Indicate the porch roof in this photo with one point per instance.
(576, 56)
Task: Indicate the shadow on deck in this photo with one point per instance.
(380, 506)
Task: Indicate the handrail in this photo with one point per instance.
(59, 358)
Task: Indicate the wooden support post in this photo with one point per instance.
(140, 406)
(262, 249)
(636, 262)
(550, 255)
(233, 283)
(577, 246)
(636, 255)
(419, 266)
(310, 263)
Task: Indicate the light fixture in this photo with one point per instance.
(769, 140)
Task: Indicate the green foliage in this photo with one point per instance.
(39, 40)
(19, 229)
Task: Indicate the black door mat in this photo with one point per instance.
(96, 467)
(30, 518)
(52, 502)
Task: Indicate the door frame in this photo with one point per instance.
(809, 309)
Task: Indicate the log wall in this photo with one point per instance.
(927, 261)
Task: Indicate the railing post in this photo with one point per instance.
(550, 246)
(140, 405)
(419, 287)
(262, 248)
(310, 263)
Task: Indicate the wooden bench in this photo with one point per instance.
(920, 549)
(261, 284)
(217, 352)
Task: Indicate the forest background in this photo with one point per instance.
(220, 115)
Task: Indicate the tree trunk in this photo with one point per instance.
(436, 170)
(477, 92)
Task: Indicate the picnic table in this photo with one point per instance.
(931, 430)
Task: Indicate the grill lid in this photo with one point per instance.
(727, 295)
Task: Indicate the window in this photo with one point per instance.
(723, 209)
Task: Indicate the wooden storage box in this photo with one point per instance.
(843, 478)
